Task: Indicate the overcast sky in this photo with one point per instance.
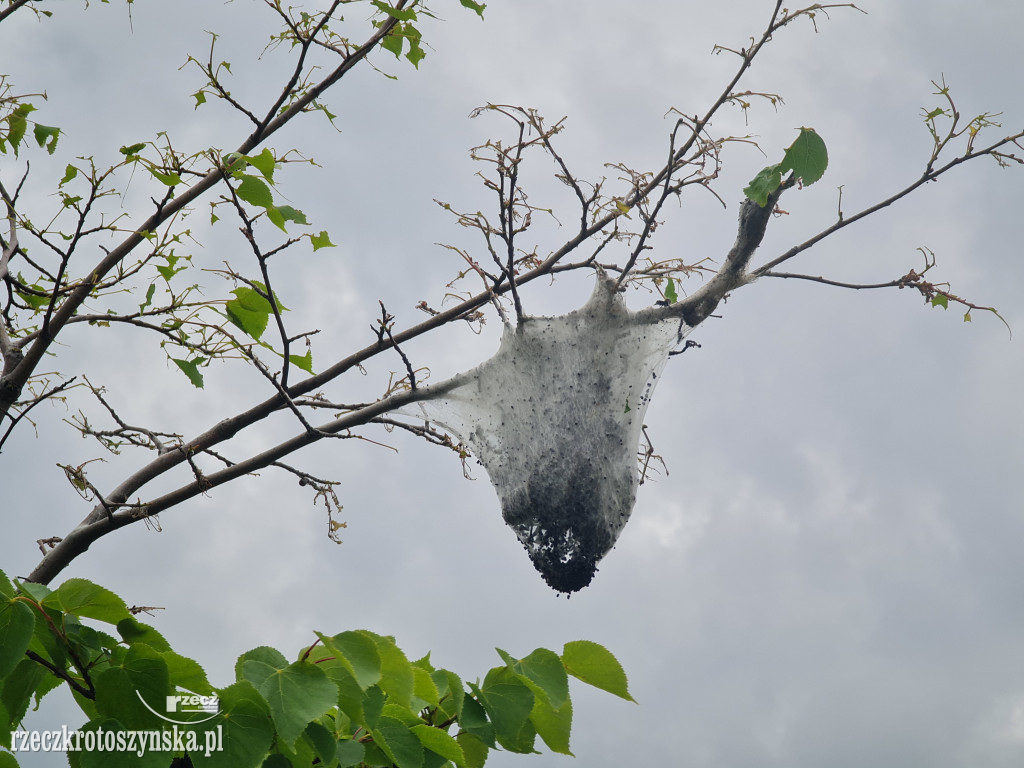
(830, 575)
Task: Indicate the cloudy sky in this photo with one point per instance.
(828, 575)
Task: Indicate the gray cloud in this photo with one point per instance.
(828, 575)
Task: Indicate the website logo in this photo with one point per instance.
(186, 704)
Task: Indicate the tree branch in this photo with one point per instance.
(14, 381)
(753, 221)
(103, 519)
(15, 5)
(928, 175)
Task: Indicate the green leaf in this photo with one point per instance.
(359, 652)
(200, 97)
(292, 214)
(133, 631)
(404, 715)
(250, 310)
(670, 289)
(17, 125)
(303, 362)
(553, 724)
(416, 53)
(149, 297)
(393, 42)
(478, 7)
(451, 693)
(235, 163)
(473, 748)
(405, 14)
(398, 743)
(83, 598)
(169, 271)
(37, 592)
(327, 113)
(278, 215)
(322, 741)
(424, 692)
(297, 694)
(46, 136)
(7, 760)
(134, 688)
(543, 672)
(362, 709)
(69, 173)
(169, 179)
(255, 191)
(807, 157)
(17, 622)
(940, 300)
(373, 705)
(396, 672)
(70, 200)
(322, 240)
(49, 683)
(85, 641)
(133, 151)
(595, 665)
(244, 718)
(762, 185)
(508, 702)
(191, 369)
(473, 719)
(440, 742)
(264, 162)
(34, 301)
(335, 666)
(152, 757)
(18, 686)
(264, 653)
(350, 753)
(301, 754)
(186, 673)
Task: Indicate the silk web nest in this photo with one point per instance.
(556, 417)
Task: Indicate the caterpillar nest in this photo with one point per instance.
(555, 417)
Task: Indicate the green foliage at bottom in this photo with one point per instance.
(349, 700)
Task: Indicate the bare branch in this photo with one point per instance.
(15, 5)
(46, 395)
(15, 380)
(386, 322)
(930, 174)
(7, 351)
(837, 283)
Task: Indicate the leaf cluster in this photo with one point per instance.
(15, 121)
(350, 699)
(806, 158)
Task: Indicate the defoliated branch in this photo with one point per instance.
(14, 381)
(15, 5)
(930, 174)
